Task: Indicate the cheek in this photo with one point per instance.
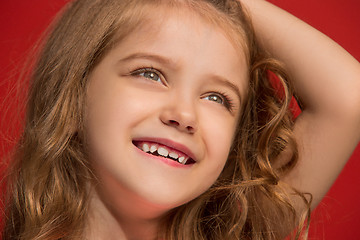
(102, 135)
(105, 122)
(109, 109)
(108, 124)
(103, 119)
(218, 133)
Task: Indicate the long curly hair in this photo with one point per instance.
(50, 173)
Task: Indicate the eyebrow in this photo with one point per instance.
(226, 82)
(157, 58)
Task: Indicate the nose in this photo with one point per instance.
(181, 116)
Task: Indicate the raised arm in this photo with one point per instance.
(327, 81)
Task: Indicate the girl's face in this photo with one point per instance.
(173, 87)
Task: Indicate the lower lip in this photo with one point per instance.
(167, 161)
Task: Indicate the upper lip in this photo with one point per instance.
(169, 143)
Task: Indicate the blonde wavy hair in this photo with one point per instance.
(47, 191)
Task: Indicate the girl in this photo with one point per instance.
(158, 120)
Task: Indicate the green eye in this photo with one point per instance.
(215, 98)
(151, 75)
(220, 98)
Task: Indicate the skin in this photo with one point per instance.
(183, 102)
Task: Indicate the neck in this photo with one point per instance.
(104, 222)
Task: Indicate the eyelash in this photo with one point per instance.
(226, 100)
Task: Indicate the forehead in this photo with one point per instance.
(170, 30)
(155, 12)
(213, 17)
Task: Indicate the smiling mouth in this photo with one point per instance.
(159, 150)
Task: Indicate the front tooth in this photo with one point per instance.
(153, 148)
(163, 152)
(146, 147)
(173, 155)
(181, 159)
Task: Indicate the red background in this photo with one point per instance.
(337, 216)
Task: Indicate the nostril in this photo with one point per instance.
(190, 129)
(173, 122)
(181, 124)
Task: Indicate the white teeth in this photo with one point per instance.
(173, 155)
(181, 160)
(146, 148)
(184, 162)
(163, 152)
(153, 148)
